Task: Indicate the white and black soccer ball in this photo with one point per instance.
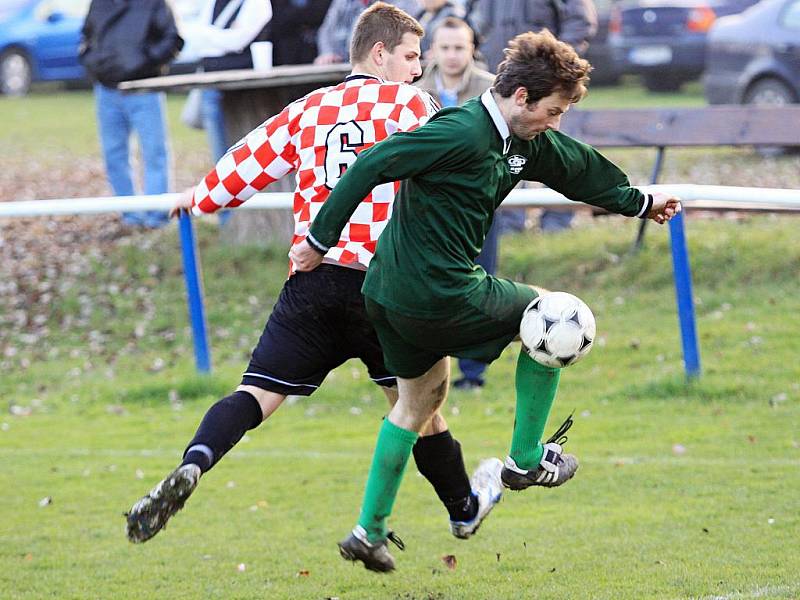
(557, 329)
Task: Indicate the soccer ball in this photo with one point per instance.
(557, 329)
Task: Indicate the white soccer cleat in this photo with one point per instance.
(488, 489)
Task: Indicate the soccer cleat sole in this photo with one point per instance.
(150, 514)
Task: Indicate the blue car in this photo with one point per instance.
(39, 42)
(754, 58)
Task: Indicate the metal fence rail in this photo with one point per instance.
(702, 197)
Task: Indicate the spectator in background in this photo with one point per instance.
(333, 37)
(222, 35)
(432, 13)
(497, 21)
(452, 78)
(293, 30)
(122, 41)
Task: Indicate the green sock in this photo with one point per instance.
(536, 389)
(388, 463)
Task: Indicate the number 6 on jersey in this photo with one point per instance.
(341, 150)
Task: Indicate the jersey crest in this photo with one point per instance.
(515, 163)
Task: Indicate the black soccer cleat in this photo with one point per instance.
(375, 556)
(150, 514)
(555, 467)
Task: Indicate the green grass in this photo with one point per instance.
(686, 489)
(65, 122)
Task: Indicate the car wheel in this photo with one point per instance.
(769, 92)
(16, 73)
(662, 83)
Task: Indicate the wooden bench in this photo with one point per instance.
(730, 125)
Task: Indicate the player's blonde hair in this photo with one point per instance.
(542, 65)
(381, 22)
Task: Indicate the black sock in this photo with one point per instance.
(222, 427)
(439, 459)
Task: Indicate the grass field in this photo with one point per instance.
(686, 489)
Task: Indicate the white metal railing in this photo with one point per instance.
(706, 197)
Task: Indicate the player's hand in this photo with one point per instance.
(183, 203)
(664, 207)
(304, 257)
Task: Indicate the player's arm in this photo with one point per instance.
(581, 173)
(440, 144)
(264, 155)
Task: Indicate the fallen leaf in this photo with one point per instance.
(303, 573)
(450, 561)
(752, 439)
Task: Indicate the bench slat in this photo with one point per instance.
(733, 125)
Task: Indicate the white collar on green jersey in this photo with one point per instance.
(497, 118)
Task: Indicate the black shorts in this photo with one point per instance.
(318, 323)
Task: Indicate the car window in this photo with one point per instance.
(74, 9)
(8, 8)
(790, 18)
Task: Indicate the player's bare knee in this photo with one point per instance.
(269, 401)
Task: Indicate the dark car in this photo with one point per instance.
(39, 42)
(606, 71)
(754, 58)
(664, 41)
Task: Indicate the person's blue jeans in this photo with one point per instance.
(555, 220)
(472, 370)
(119, 114)
(214, 124)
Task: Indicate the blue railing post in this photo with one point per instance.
(683, 291)
(191, 273)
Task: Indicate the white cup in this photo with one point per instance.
(262, 55)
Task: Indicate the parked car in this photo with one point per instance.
(606, 71)
(39, 42)
(754, 57)
(664, 41)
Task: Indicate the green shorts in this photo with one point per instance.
(479, 327)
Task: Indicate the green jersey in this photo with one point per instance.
(456, 170)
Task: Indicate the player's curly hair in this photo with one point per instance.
(381, 22)
(542, 65)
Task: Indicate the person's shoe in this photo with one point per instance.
(375, 555)
(150, 514)
(555, 467)
(488, 489)
(466, 384)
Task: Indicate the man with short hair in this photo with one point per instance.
(424, 294)
(319, 320)
(333, 36)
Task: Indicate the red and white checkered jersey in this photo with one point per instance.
(318, 137)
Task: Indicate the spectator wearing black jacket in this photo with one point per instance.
(293, 30)
(123, 40)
